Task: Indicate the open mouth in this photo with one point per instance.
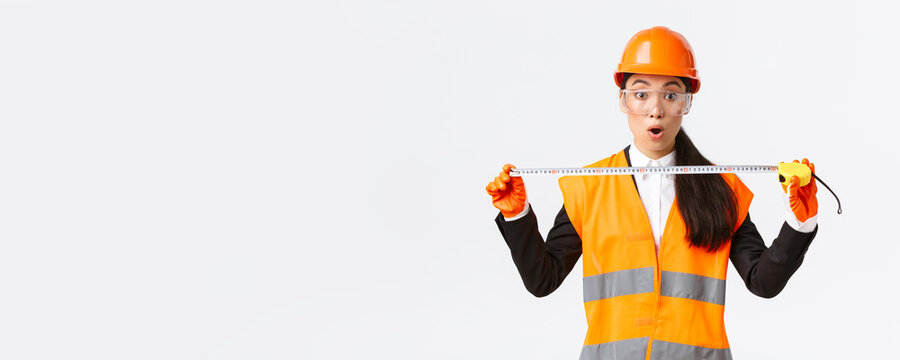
(655, 132)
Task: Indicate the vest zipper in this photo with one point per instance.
(656, 289)
(657, 286)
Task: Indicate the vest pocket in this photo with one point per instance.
(638, 237)
(643, 321)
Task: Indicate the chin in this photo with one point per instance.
(661, 145)
(656, 145)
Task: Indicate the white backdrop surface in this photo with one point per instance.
(305, 180)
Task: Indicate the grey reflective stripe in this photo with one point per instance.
(675, 351)
(617, 283)
(690, 286)
(630, 349)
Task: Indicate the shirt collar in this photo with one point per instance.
(639, 159)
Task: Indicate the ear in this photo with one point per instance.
(621, 104)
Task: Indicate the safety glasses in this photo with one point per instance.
(646, 101)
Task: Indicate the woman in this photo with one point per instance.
(656, 247)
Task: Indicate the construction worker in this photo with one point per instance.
(656, 247)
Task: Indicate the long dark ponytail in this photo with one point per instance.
(706, 202)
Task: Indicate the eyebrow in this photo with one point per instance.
(673, 82)
(639, 81)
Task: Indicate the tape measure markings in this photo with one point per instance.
(693, 169)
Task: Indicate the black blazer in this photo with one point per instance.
(544, 265)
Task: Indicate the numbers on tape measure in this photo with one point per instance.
(705, 169)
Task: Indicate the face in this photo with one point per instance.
(654, 133)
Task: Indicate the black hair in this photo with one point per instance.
(706, 202)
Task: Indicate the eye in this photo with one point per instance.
(640, 95)
(670, 96)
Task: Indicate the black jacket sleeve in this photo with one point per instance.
(542, 265)
(766, 270)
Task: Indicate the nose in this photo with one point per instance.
(656, 111)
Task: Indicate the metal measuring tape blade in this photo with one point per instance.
(785, 172)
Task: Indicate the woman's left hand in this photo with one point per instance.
(802, 199)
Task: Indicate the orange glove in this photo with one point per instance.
(803, 199)
(508, 192)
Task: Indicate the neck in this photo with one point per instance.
(655, 154)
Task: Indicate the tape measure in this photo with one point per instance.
(785, 172)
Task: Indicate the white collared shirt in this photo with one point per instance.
(657, 191)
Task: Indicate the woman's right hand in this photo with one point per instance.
(508, 192)
(802, 199)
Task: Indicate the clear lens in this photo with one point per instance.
(644, 102)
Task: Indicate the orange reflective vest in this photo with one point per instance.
(640, 305)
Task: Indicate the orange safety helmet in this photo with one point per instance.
(658, 51)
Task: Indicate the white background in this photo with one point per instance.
(305, 180)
